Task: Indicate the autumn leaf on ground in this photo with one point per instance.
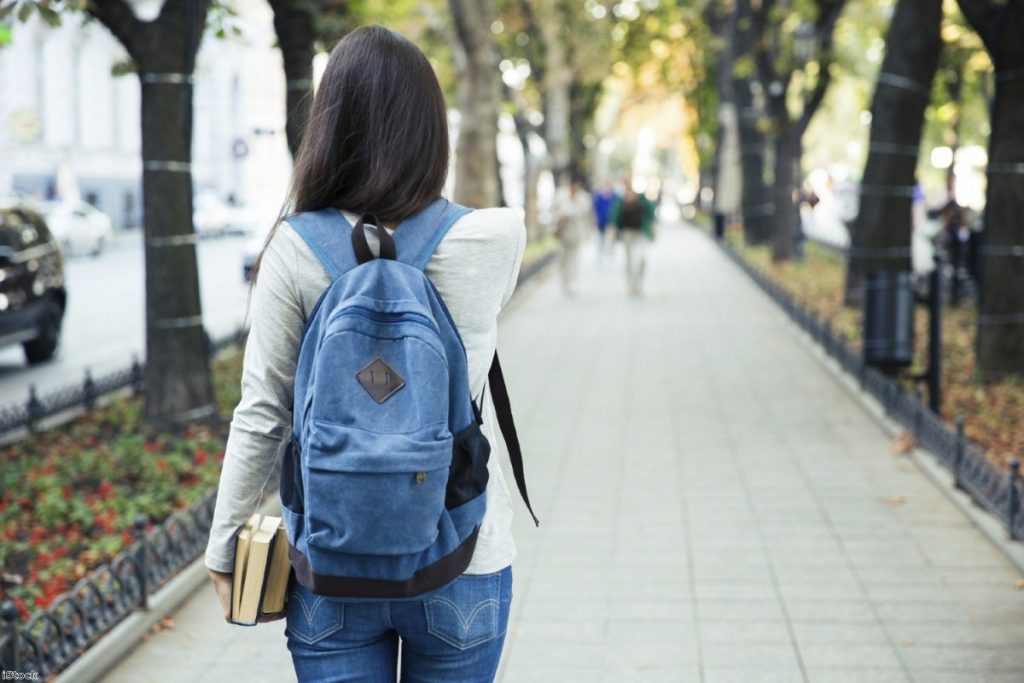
(897, 501)
(903, 444)
(162, 625)
(1019, 585)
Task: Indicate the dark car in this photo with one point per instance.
(32, 295)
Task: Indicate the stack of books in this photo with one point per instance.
(262, 569)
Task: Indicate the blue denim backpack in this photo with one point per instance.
(383, 482)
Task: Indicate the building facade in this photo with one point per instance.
(70, 115)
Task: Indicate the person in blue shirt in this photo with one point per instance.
(604, 201)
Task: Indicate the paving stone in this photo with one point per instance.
(860, 675)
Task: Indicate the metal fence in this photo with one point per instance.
(999, 493)
(30, 413)
(54, 637)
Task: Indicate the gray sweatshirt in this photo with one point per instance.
(474, 268)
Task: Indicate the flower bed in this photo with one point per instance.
(70, 495)
(992, 411)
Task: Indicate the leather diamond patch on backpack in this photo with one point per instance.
(380, 380)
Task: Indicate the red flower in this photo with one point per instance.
(200, 457)
(66, 490)
(127, 538)
(21, 607)
(107, 490)
(9, 534)
(3, 505)
(25, 503)
(162, 466)
(104, 521)
(151, 446)
(37, 536)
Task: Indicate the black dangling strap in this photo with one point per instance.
(503, 408)
(362, 247)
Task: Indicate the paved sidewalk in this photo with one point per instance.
(715, 508)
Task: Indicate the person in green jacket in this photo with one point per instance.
(633, 217)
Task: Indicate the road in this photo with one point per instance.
(104, 324)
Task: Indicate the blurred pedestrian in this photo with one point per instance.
(573, 212)
(634, 225)
(604, 202)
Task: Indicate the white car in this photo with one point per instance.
(209, 215)
(79, 227)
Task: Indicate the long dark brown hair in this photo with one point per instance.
(377, 135)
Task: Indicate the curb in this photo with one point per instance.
(117, 643)
(925, 461)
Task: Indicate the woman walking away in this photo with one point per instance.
(634, 216)
(573, 215)
(375, 152)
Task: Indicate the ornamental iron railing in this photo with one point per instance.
(52, 638)
(33, 411)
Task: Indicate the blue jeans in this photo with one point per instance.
(453, 635)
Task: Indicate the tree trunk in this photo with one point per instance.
(726, 171)
(1000, 337)
(788, 152)
(758, 208)
(583, 103)
(776, 71)
(295, 26)
(881, 236)
(531, 179)
(177, 372)
(756, 201)
(555, 88)
(178, 386)
(479, 96)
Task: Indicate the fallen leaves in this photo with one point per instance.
(164, 624)
(903, 444)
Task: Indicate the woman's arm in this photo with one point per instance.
(262, 418)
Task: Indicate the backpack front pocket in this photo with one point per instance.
(386, 502)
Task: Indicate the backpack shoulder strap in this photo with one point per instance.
(417, 236)
(503, 408)
(328, 234)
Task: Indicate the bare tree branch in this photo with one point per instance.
(982, 15)
(828, 15)
(118, 17)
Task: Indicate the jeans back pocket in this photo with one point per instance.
(310, 618)
(467, 612)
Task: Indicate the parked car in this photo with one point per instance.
(79, 227)
(251, 252)
(32, 294)
(209, 215)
